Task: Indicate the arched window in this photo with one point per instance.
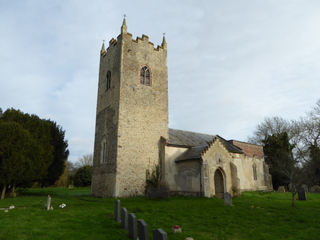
(108, 80)
(254, 168)
(145, 76)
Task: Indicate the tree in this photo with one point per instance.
(284, 168)
(60, 154)
(16, 147)
(270, 126)
(47, 147)
(83, 176)
(39, 131)
(84, 160)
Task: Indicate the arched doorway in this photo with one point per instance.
(219, 184)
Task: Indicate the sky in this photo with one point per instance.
(231, 63)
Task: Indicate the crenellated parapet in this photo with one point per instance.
(144, 39)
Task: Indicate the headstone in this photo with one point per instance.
(311, 189)
(281, 189)
(305, 187)
(227, 199)
(117, 211)
(316, 189)
(142, 230)
(48, 203)
(132, 225)
(302, 194)
(159, 234)
(124, 218)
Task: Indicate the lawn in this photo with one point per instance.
(255, 215)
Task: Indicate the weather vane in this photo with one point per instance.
(124, 15)
(164, 34)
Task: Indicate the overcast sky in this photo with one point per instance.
(231, 63)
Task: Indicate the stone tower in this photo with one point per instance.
(132, 114)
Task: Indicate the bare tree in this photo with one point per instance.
(85, 160)
(270, 125)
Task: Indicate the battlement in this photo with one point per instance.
(124, 34)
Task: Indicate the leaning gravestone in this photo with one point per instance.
(159, 234)
(281, 189)
(302, 194)
(132, 224)
(142, 230)
(227, 199)
(124, 218)
(117, 211)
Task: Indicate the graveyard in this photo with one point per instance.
(76, 214)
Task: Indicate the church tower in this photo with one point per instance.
(131, 116)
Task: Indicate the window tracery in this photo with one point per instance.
(145, 76)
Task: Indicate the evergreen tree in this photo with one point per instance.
(83, 176)
(279, 155)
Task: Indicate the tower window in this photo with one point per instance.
(145, 76)
(104, 152)
(108, 80)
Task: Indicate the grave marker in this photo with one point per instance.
(316, 189)
(305, 187)
(142, 230)
(132, 224)
(117, 211)
(302, 194)
(124, 218)
(159, 234)
(281, 189)
(48, 202)
(227, 199)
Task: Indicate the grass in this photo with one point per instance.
(255, 215)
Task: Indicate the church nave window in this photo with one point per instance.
(145, 76)
(254, 168)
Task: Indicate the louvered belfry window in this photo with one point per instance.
(145, 76)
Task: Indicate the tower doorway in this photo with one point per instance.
(219, 184)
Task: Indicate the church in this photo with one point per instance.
(132, 133)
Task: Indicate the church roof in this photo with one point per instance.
(188, 139)
(197, 143)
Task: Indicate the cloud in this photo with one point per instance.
(231, 63)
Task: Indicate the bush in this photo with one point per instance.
(83, 176)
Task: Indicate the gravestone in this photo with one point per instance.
(132, 225)
(305, 187)
(227, 198)
(117, 211)
(142, 230)
(311, 189)
(302, 194)
(281, 189)
(316, 189)
(48, 202)
(159, 234)
(124, 218)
